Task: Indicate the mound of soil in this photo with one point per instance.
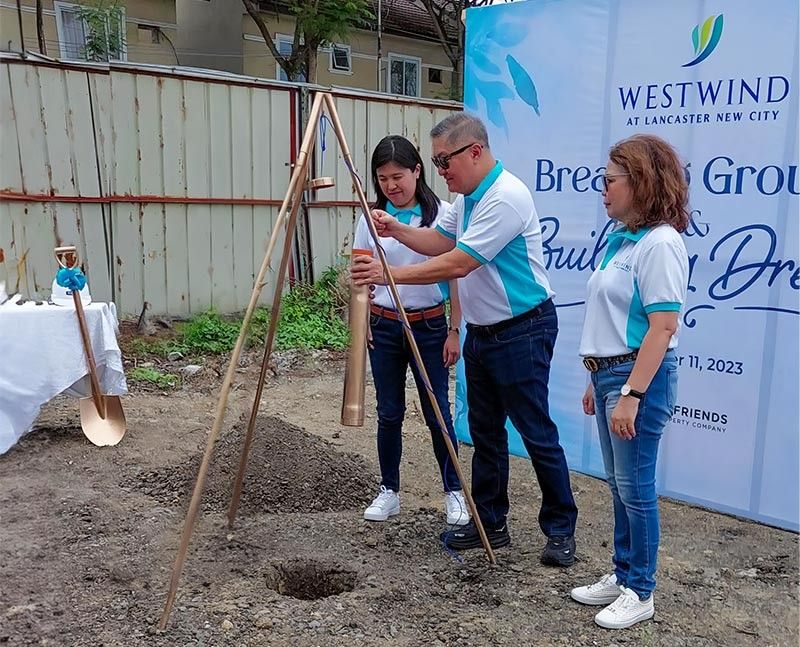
(288, 470)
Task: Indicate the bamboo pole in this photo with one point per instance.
(337, 126)
(273, 325)
(194, 505)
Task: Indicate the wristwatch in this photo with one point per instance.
(457, 331)
(627, 390)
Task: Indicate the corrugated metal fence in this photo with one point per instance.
(169, 181)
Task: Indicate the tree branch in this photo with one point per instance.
(252, 9)
(40, 28)
(438, 23)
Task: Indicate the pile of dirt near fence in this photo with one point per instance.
(289, 470)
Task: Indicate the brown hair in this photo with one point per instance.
(658, 181)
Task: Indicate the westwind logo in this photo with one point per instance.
(705, 39)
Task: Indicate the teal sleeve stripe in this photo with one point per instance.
(666, 306)
(473, 253)
(444, 232)
(444, 288)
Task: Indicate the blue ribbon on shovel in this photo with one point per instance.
(71, 278)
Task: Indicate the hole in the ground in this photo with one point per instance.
(310, 580)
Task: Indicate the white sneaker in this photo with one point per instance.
(456, 508)
(383, 506)
(625, 611)
(603, 592)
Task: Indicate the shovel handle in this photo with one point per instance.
(66, 256)
(87, 347)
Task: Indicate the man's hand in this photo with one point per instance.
(452, 349)
(365, 270)
(385, 224)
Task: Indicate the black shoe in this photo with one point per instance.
(467, 537)
(560, 551)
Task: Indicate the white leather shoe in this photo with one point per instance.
(383, 506)
(625, 611)
(605, 591)
(455, 508)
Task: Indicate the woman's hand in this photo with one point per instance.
(623, 417)
(588, 400)
(452, 349)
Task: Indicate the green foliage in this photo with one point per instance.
(142, 347)
(319, 24)
(153, 376)
(259, 326)
(323, 21)
(104, 26)
(208, 333)
(311, 315)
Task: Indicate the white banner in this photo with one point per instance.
(557, 83)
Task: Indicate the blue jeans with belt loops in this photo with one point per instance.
(390, 357)
(630, 467)
(507, 376)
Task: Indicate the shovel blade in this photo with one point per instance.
(103, 431)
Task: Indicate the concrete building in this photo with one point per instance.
(219, 34)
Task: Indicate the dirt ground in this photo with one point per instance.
(88, 537)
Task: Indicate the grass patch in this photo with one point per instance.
(311, 315)
(259, 325)
(311, 318)
(208, 333)
(149, 375)
(141, 347)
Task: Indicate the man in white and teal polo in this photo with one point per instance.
(491, 240)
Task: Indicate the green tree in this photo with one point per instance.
(446, 18)
(318, 24)
(103, 24)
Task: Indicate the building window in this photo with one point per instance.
(284, 45)
(404, 75)
(340, 59)
(434, 75)
(74, 34)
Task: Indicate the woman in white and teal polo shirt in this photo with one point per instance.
(399, 179)
(629, 335)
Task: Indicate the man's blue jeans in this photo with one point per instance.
(390, 357)
(507, 374)
(631, 469)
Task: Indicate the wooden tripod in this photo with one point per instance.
(290, 208)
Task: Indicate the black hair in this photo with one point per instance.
(402, 152)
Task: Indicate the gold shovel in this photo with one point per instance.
(102, 417)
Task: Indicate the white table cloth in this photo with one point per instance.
(41, 355)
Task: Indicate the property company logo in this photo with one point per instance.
(705, 38)
(700, 419)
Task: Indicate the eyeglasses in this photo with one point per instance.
(443, 161)
(605, 178)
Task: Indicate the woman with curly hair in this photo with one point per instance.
(628, 344)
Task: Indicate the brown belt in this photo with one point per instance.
(413, 315)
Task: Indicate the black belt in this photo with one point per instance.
(500, 326)
(594, 364)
